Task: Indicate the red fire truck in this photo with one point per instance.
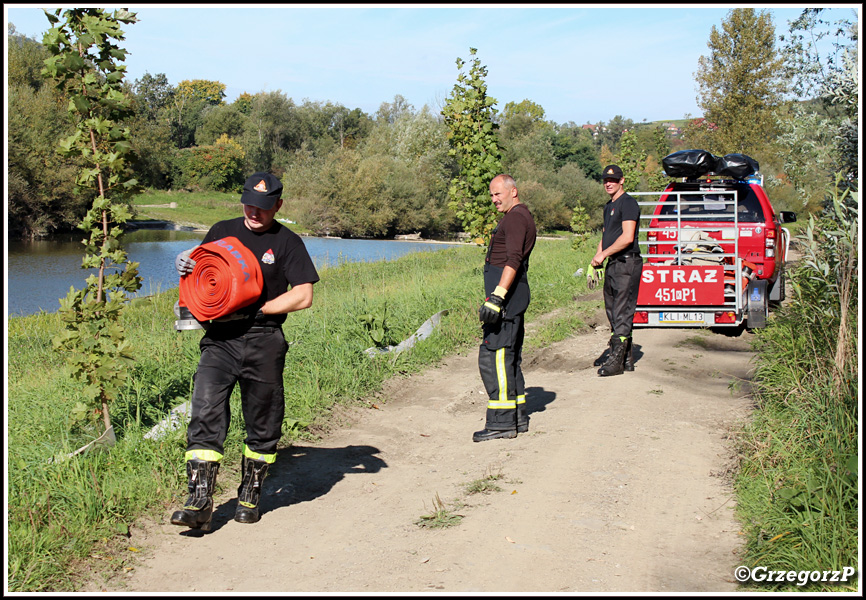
(715, 250)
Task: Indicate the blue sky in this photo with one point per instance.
(581, 63)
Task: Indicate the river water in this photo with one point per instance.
(39, 273)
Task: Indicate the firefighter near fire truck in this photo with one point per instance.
(245, 347)
(620, 248)
(506, 288)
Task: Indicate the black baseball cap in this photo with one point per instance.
(262, 190)
(611, 172)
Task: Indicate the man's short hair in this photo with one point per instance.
(506, 179)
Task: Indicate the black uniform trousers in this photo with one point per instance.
(621, 284)
(499, 360)
(255, 360)
(501, 354)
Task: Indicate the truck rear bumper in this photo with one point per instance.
(683, 316)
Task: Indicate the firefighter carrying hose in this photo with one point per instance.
(246, 348)
(506, 290)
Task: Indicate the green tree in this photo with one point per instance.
(469, 114)
(324, 126)
(806, 66)
(534, 147)
(40, 195)
(151, 132)
(24, 60)
(349, 127)
(154, 95)
(519, 119)
(394, 181)
(390, 112)
(188, 103)
(217, 166)
(739, 82)
(209, 92)
(818, 138)
(632, 161)
(85, 62)
(609, 134)
(273, 129)
(571, 143)
(244, 103)
(224, 119)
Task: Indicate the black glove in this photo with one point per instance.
(491, 311)
(183, 263)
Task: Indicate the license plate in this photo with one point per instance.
(681, 317)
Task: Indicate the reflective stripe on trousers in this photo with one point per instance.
(502, 376)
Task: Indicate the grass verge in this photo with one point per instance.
(797, 482)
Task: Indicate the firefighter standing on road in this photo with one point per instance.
(619, 245)
(506, 290)
(247, 347)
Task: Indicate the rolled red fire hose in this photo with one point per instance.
(226, 278)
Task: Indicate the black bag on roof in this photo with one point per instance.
(738, 166)
(689, 163)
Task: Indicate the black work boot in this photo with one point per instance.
(605, 354)
(522, 420)
(616, 360)
(628, 363)
(198, 508)
(252, 475)
(492, 434)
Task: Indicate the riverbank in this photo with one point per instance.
(39, 273)
(70, 516)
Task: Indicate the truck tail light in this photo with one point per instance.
(770, 244)
(651, 237)
(726, 317)
(641, 316)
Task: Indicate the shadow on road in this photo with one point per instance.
(537, 399)
(301, 474)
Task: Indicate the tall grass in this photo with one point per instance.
(797, 486)
(62, 512)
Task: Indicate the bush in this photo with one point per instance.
(218, 167)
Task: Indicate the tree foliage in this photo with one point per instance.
(806, 66)
(40, 182)
(819, 139)
(520, 118)
(209, 92)
(739, 83)
(218, 166)
(469, 114)
(394, 182)
(86, 63)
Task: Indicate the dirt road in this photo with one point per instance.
(619, 486)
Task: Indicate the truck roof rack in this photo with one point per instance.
(724, 178)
